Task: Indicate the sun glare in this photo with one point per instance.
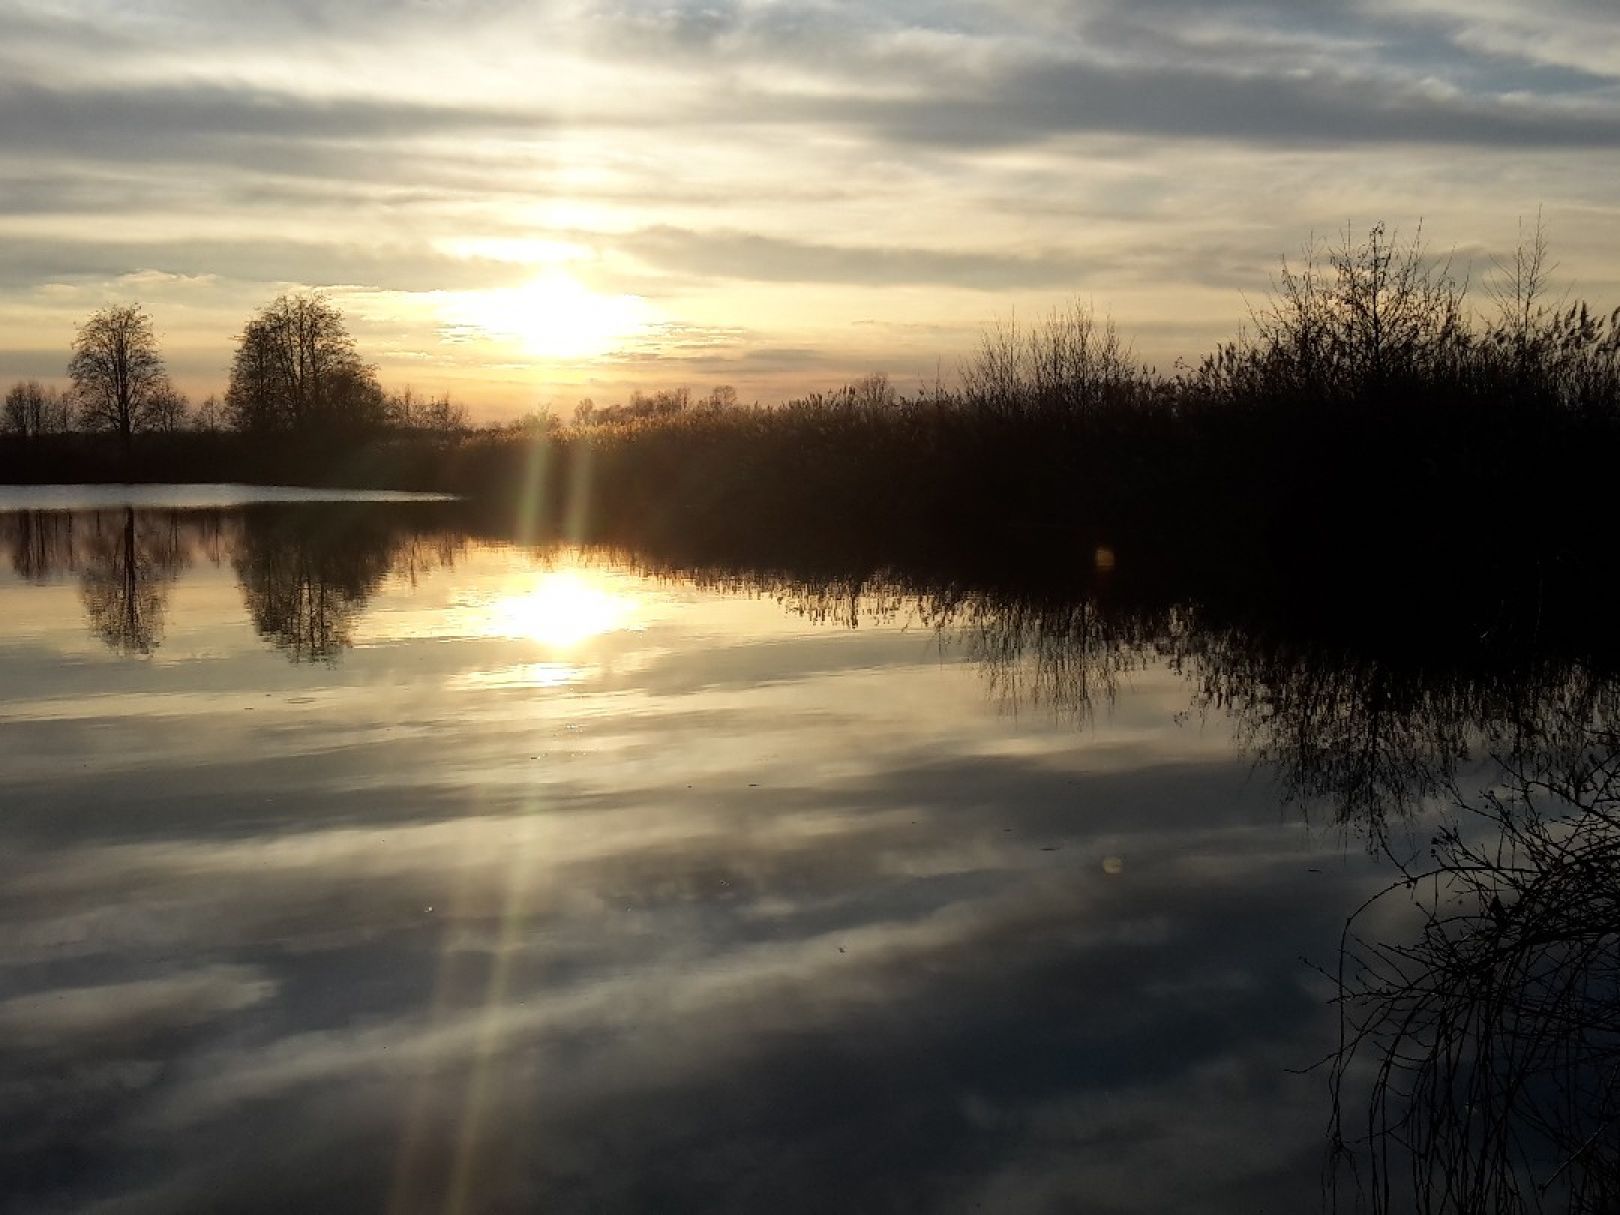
(552, 316)
(561, 610)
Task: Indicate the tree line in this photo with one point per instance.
(296, 372)
(1365, 411)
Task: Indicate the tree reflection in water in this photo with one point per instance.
(128, 568)
(41, 544)
(1370, 734)
(307, 574)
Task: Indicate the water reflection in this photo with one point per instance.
(1479, 1066)
(47, 545)
(553, 879)
(127, 571)
(1479, 1059)
(306, 572)
(40, 543)
(307, 575)
(559, 608)
(1370, 734)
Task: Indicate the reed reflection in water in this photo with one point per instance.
(1479, 1064)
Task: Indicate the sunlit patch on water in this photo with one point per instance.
(522, 675)
(557, 608)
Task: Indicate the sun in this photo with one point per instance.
(553, 316)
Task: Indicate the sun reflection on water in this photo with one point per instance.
(560, 609)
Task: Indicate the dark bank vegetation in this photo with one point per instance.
(1363, 416)
(1366, 414)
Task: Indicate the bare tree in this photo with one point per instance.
(29, 410)
(444, 416)
(1520, 286)
(297, 369)
(209, 417)
(721, 399)
(404, 409)
(117, 373)
(1397, 313)
(169, 410)
(1069, 365)
(59, 408)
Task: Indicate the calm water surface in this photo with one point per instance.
(350, 861)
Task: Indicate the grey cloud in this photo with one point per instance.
(25, 262)
(1154, 83)
(1145, 74)
(73, 32)
(663, 27)
(81, 189)
(760, 361)
(66, 193)
(131, 1011)
(198, 122)
(1285, 76)
(1028, 103)
(749, 256)
(729, 36)
(1284, 35)
(744, 255)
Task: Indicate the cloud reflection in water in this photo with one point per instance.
(644, 895)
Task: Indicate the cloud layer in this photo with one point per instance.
(794, 170)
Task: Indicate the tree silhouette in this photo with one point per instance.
(169, 411)
(118, 377)
(31, 409)
(297, 370)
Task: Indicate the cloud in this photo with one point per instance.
(170, 123)
(99, 1016)
(267, 260)
(1025, 102)
(744, 255)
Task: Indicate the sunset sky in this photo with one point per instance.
(529, 203)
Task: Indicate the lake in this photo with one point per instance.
(355, 856)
